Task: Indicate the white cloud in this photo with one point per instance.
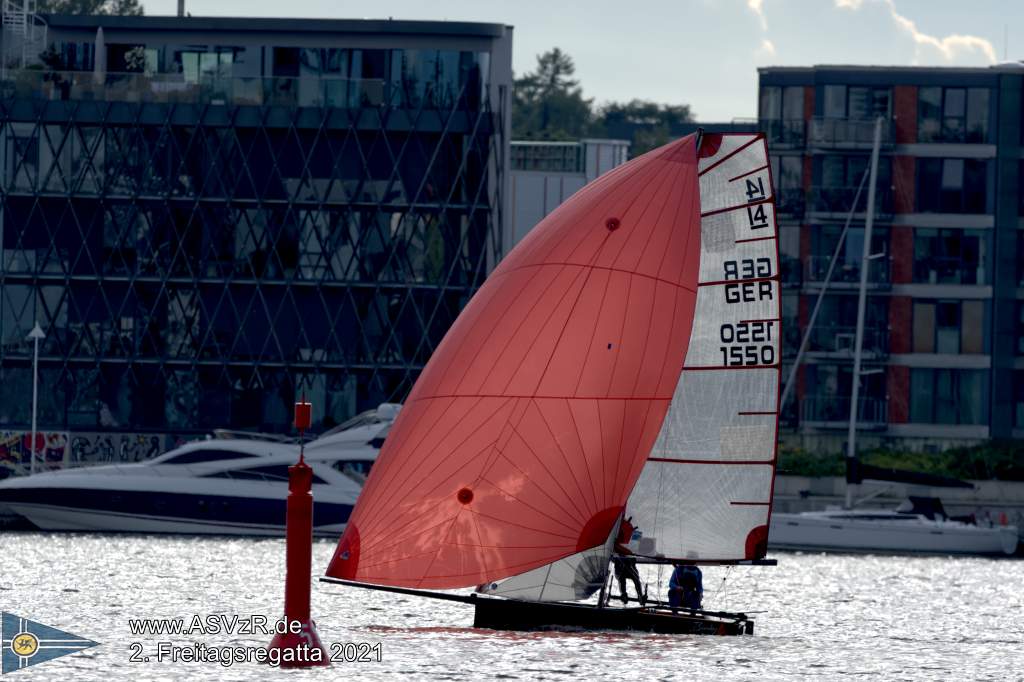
(948, 48)
(767, 48)
(757, 7)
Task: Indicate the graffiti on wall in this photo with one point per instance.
(61, 449)
(109, 448)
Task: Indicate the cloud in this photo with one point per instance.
(767, 48)
(757, 7)
(948, 48)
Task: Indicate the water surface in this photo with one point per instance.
(822, 617)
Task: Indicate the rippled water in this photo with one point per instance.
(823, 616)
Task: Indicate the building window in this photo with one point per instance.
(952, 114)
(76, 56)
(950, 256)
(856, 102)
(788, 173)
(1018, 402)
(952, 186)
(1020, 259)
(1020, 328)
(948, 396)
(949, 327)
(838, 180)
(781, 112)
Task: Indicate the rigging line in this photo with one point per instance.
(821, 294)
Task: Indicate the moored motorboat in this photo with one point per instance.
(232, 485)
(917, 529)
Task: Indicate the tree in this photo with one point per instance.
(548, 103)
(105, 7)
(646, 124)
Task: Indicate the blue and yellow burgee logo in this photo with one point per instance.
(26, 642)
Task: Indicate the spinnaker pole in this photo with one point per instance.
(869, 220)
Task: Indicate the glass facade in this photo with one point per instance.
(948, 396)
(953, 114)
(951, 256)
(952, 186)
(311, 233)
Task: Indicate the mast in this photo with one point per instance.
(851, 442)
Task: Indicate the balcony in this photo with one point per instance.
(833, 412)
(788, 132)
(946, 270)
(847, 133)
(549, 157)
(790, 202)
(839, 342)
(318, 91)
(839, 200)
(847, 273)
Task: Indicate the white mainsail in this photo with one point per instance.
(705, 491)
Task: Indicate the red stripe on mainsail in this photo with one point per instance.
(531, 422)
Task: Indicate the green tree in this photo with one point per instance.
(645, 124)
(106, 7)
(548, 102)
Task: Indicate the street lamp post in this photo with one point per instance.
(34, 335)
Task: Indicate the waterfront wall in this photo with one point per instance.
(61, 449)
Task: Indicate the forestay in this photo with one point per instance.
(705, 491)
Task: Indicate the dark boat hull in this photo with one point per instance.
(509, 614)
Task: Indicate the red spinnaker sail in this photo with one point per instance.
(528, 428)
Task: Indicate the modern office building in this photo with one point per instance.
(944, 337)
(212, 217)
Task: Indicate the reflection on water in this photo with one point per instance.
(821, 616)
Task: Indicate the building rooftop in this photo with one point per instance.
(276, 25)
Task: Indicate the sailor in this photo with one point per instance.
(686, 587)
(624, 563)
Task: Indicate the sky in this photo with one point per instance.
(704, 53)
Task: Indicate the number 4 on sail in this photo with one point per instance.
(621, 362)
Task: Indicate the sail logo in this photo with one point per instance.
(26, 642)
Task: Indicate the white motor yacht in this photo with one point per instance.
(234, 484)
(919, 527)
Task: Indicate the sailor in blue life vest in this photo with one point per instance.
(625, 563)
(686, 587)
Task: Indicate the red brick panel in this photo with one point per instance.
(904, 113)
(901, 324)
(903, 169)
(902, 249)
(898, 384)
(808, 102)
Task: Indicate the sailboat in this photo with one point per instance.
(621, 362)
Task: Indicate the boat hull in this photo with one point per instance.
(152, 511)
(510, 614)
(819, 532)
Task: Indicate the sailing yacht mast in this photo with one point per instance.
(851, 439)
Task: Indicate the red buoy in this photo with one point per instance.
(299, 646)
